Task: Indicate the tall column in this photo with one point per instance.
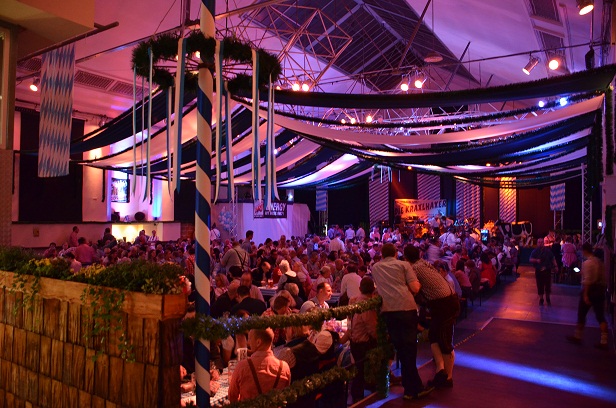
(8, 59)
(203, 210)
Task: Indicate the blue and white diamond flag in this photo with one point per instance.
(57, 75)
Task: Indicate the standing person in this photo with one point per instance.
(397, 283)
(593, 295)
(73, 239)
(360, 235)
(444, 309)
(261, 372)
(235, 256)
(544, 262)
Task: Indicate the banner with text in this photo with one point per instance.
(277, 209)
(423, 209)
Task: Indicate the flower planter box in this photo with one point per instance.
(46, 360)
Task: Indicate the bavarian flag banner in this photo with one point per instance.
(57, 74)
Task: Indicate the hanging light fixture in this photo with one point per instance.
(404, 86)
(585, 6)
(420, 79)
(369, 119)
(34, 86)
(433, 57)
(295, 86)
(305, 87)
(554, 62)
(532, 63)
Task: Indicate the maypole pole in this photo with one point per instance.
(202, 209)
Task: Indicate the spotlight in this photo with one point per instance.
(343, 121)
(532, 63)
(404, 86)
(353, 121)
(275, 151)
(197, 55)
(409, 167)
(554, 63)
(419, 81)
(34, 86)
(369, 119)
(541, 104)
(305, 87)
(278, 88)
(295, 86)
(102, 121)
(585, 6)
(563, 101)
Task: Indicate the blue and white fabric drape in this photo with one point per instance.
(219, 108)
(256, 152)
(57, 76)
(271, 192)
(176, 134)
(146, 196)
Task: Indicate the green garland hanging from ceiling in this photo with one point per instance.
(165, 46)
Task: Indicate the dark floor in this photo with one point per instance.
(512, 352)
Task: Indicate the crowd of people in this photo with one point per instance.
(410, 272)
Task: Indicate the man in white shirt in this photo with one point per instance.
(349, 234)
(350, 282)
(336, 244)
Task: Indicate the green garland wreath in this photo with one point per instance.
(165, 46)
(208, 328)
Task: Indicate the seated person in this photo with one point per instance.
(280, 306)
(324, 293)
(226, 301)
(254, 307)
(261, 372)
(463, 280)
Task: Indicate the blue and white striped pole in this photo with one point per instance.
(205, 97)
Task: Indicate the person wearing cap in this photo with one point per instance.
(261, 372)
(397, 285)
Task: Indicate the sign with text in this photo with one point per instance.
(120, 190)
(277, 209)
(423, 209)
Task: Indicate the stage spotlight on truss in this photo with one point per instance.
(34, 86)
(369, 119)
(532, 63)
(295, 86)
(353, 120)
(563, 101)
(555, 62)
(541, 104)
(343, 121)
(305, 87)
(585, 6)
(404, 86)
(420, 80)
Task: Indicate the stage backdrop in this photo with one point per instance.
(424, 209)
(295, 223)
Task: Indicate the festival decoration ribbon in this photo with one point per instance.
(177, 125)
(256, 159)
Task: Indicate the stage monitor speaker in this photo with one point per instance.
(139, 216)
(115, 217)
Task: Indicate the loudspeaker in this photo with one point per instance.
(115, 217)
(139, 216)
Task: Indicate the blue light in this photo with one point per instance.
(563, 101)
(536, 376)
(541, 104)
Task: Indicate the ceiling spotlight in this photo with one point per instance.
(369, 119)
(541, 104)
(420, 80)
(404, 86)
(554, 63)
(433, 57)
(295, 86)
(197, 55)
(563, 101)
(409, 167)
(585, 6)
(343, 121)
(34, 86)
(275, 151)
(532, 63)
(278, 88)
(305, 87)
(353, 121)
